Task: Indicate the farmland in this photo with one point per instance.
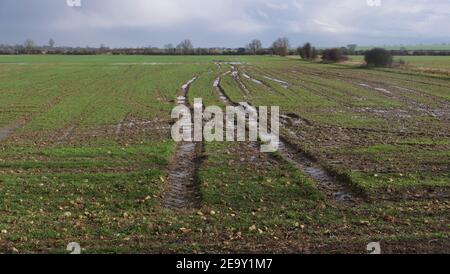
(86, 152)
(410, 47)
(421, 64)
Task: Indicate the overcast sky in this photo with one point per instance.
(230, 23)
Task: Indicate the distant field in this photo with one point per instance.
(409, 47)
(439, 62)
(85, 149)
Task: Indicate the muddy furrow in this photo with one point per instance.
(282, 83)
(120, 125)
(269, 76)
(359, 76)
(70, 131)
(182, 190)
(333, 188)
(237, 79)
(328, 184)
(395, 92)
(9, 130)
(252, 79)
(220, 92)
(262, 82)
(295, 120)
(65, 137)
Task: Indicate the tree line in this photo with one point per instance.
(280, 46)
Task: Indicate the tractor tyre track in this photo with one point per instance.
(182, 190)
(331, 186)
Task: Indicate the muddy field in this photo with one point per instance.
(86, 156)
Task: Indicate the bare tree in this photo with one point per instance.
(185, 47)
(281, 46)
(51, 43)
(29, 44)
(254, 46)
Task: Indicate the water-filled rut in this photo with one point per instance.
(331, 186)
(182, 190)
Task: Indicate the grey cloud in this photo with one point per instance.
(224, 22)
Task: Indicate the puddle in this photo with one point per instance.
(257, 81)
(120, 125)
(119, 128)
(294, 119)
(252, 79)
(383, 90)
(284, 84)
(216, 82)
(375, 88)
(404, 89)
(9, 130)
